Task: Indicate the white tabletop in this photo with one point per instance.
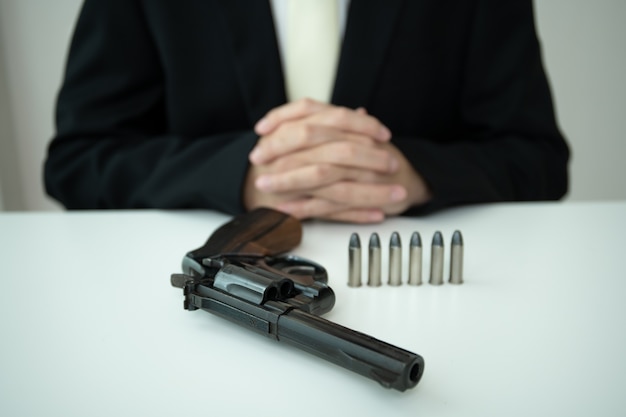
(90, 325)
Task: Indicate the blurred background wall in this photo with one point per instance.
(583, 50)
(34, 36)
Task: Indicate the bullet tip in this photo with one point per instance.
(395, 240)
(437, 239)
(374, 240)
(416, 240)
(355, 241)
(457, 238)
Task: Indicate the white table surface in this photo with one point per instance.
(90, 326)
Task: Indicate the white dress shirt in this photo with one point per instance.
(279, 11)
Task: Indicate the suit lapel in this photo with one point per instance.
(256, 56)
(257, 61)
(368, 32)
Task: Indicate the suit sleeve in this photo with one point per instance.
(113, 147)
(509, 147)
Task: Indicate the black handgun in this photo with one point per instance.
(240, 274)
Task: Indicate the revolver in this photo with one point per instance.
(242, 274)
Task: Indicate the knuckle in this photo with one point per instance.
(305, 104)
(321, 173)
(341, 115)
(307, 131)
(384, 159)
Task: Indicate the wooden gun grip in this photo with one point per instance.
(260, 232)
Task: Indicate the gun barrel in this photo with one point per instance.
(389, 365)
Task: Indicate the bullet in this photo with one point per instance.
(436, 260)
(354, 253)
(456, 258)
(374, 276)
(395, 260)
(415, 259)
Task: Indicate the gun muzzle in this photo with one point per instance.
(389, 365)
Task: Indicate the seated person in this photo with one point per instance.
(189, 105)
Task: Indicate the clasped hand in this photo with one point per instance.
(316, 160)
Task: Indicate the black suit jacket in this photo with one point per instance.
(160, 97)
